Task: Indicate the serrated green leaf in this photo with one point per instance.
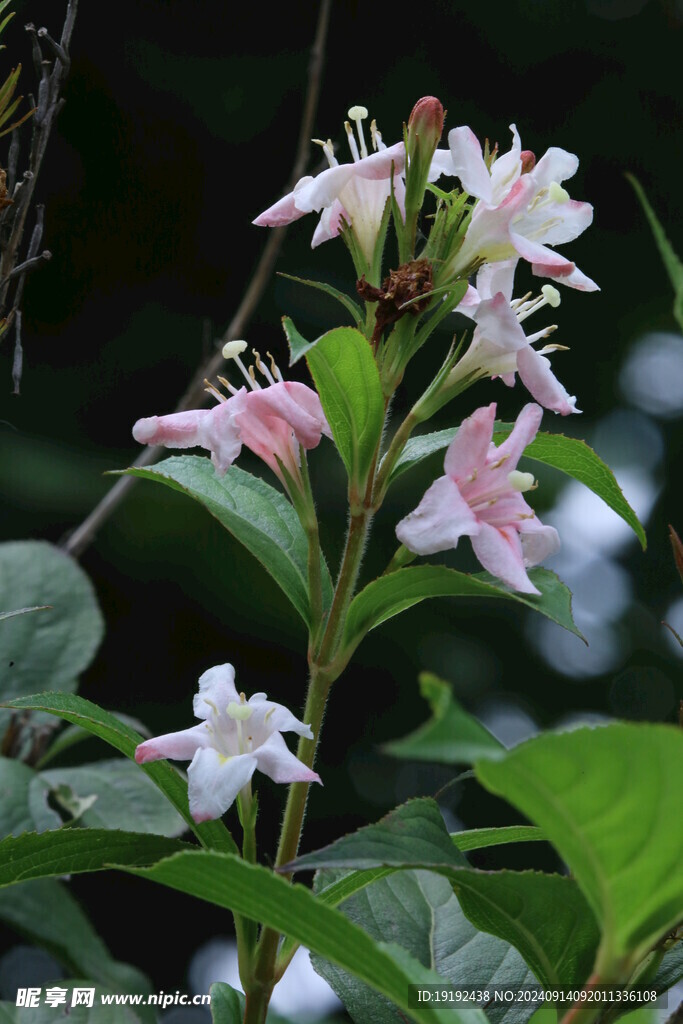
(124, 797)
(298, 345)
(482, 838)
(419, 909)
(45, 912)
(671, 261)
(257, 515)
(346, 377)
(347, 302)
(451, 736)
(118, 734)
(23, 800)
(389, 595)
(413, 833)
(77, 850)
(568, 454)
(53, 648)
(74, 734)
(227, 1005)
(608, 799)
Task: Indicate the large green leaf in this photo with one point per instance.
(50, 650)
(568, 454)
(74, 850)
(413, 833)
(609, 801)
(255, 513)
(261, 895)
(670, 259)
(24, 800)
(125, 798)
(227, 1005)
(450, 736)
(392, 594)
(419, 910)
(45, 912)
(120, 735)
(347, 379)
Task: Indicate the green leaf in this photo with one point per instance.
(389, 595)
(412, 834)
(74, 734)
(124, 797)
(118, 734)
(23, 611)
(420, 910)
(298, 345)
(568, 454)
(257, 515)
(227, 1005)
(261, 895)
(23, 800)
(69, 851)
(352, 307)
(98, 1013)
(45, 912)
(451, 736)
(482, 838)
(347, 380)
(671, 261)
(545, 917)
(53, 648)
(609, 801)
(671, 968)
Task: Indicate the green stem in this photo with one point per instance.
(309, 522)
(397, 445)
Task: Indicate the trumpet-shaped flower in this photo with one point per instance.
(480, 496)
(272, 421)
(499, 346)
(522, 210)
(353, 193)
(235, 738)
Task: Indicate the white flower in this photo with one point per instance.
(235, 738)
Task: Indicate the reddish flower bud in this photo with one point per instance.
(528, 161)
(426, 120)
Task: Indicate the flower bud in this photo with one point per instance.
(425, 123)
(528, 160)
(422, 135)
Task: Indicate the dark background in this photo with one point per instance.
(180, 126)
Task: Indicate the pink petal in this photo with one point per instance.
(541, 256)
(330, 223)
(271, 438)
(541, 382)
(179, 746)
(523, 433)
(468, 163)
(496, 277)
(439, 521)
(269, 717)
(507, 168)
(555, 165)
(214, 781)
(538, 541)
(499, 325)
(576, 279)
(217, 685)
(469, 448)
(285, 211)
(500, 552)
(177, 430)
(279, 764)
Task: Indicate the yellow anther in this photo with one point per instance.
(551, 295)
(239, 712)
(211, 389)
(521, 481)
(557, 193)
(233, 348)
(358, 113)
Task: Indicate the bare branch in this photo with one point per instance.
(194, 396)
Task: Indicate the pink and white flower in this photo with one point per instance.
(499, 346)
(353, 193)
(480, 496)
(522, 210)
(272, 421)
(235, 738)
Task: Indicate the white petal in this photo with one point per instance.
(217, 685)
(468, 163)
(439, 521)
(277, 762)
(179, 746)
(214, 782)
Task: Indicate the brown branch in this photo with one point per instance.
(195, 395)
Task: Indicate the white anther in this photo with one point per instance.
(234, 348)
(239, 712)
(551, 295)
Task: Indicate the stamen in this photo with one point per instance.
(499, 462)
(358, 114)
(211, 705)
(328, 150)
(233, 350)
(274, 368)
(268, 715)
(557, 193)
(352, 142)
(227, 385)
(376, 137)
(521, 481)
(263, 369)
(252, 380)
(551, 295)
(518, 303)
(239, 712)
(211, 389)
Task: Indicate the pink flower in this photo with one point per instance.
(522, 208)
(272, 421)
(499, 346)
(354, 193)
(480, 496)
(235, 738)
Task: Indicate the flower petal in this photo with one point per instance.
(214, 781)
(468, 163)
(500, 552)
(216, 685)
(296, 404)
(269, 717)
(499, 325)
(277, 762)
(439, 521)
(523, 433)
(330, 223)
(538, 541)
(537, 376)
(179, 746)
(468, 449)
(555, 165)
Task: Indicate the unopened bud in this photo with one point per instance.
(528, 160)
(426, 120)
